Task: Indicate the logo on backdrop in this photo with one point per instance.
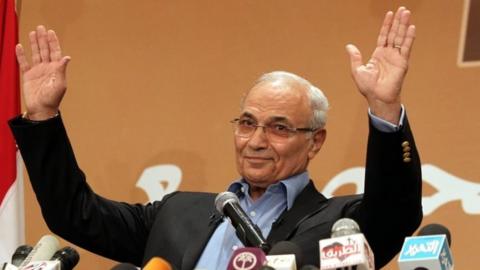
(160, 180)
(469, 49)
(449, 188)
(157, 181)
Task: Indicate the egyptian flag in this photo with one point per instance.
(11, 184)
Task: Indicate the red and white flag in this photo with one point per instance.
(11, 185)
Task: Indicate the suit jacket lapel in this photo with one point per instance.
(198, 242)
(307, 203)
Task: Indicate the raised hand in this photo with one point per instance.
(380, 79)
(44, 80)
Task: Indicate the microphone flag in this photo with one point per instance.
(429, 251)
(247, 258)
(346, 251)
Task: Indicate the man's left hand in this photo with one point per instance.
(380, 79)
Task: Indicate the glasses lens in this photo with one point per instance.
(278, 131)
(244, 127)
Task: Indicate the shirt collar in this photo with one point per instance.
(290, 187)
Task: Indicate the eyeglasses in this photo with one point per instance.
(246, 127)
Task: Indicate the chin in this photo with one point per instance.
(258, 185)
(261, 181)
(259, 177)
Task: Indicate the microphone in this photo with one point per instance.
(9, 266)
(247, 258)
(249, 234)
(43, 250)
(434, 228)
(346, 249)
(285, 255)
(427, 251)
(344, 226)
(157, 263)
(309, 267)
(67, 256)
(20, 254)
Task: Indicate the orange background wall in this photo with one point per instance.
(156, 82)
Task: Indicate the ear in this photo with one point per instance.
(318, 138)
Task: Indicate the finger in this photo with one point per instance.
(63, 63)
(55, 50)
(394, 29)
(408, 42)
(402, 27)
(355, 57)
(34, 46)
(21, 58)
(43, 43)
(387, 22)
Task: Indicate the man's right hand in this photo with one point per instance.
(44, 80)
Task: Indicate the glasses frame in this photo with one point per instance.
(291, 131)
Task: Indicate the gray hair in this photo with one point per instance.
(318, 101)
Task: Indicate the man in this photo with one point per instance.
(280, 129)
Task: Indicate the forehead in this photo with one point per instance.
(270, 101)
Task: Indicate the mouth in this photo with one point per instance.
(255, 158)
(258, 160)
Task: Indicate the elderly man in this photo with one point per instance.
(279, 130)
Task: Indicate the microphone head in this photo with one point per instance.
(433, 229)
(67, 256)
(157, 263)
(20, 254)
(124, 266)
(344, 226)
(224, 198)
(288, 247)
(43, 250)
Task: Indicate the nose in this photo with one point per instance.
(258, 140)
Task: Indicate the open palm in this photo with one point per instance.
(380, 79)
(44, 81)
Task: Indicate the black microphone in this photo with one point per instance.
(433, 229)
(21, 254)
(249, 234)
(285, 248)
(67, 256)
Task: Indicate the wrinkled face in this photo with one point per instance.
(262, 161)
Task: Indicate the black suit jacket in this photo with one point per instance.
(178, 227)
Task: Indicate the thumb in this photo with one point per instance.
(355, 56)
(64, 62)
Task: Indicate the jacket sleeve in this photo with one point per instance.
(391, 208)
(70, 208)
